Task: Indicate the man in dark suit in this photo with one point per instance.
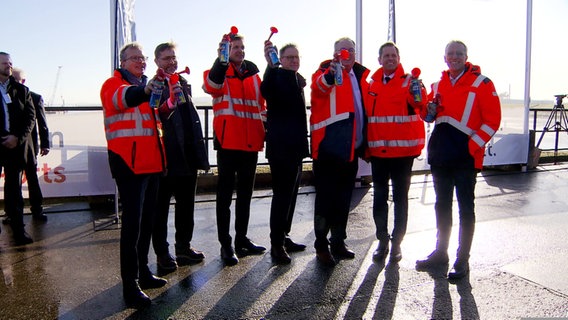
(17, 119)
(41, 148)
(286, 144)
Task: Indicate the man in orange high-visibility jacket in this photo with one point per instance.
(136, 159)
(238, 127)
(337, 124)
(468, 115)
(395, 134)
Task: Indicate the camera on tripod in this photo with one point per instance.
(559, 98)
(557, 122)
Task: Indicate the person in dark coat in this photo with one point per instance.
(286, 144)
(40, 146)
(17, 119)
(185, 154)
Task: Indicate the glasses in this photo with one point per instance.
(291, 57)
(169, 58)
(137, 59)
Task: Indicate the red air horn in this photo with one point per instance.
(273, 30)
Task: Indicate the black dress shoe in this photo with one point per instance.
(228, 256)
(382, 251)
(292, 246)
(40, 217)
(187, 255)
(341, 251)
(279, 255)
(460, 270)
(435, 259)
(245, 247)
(325, 257)
(134, 297)
(22, 238)
(151, 282)
(6, 220)
(396, 253)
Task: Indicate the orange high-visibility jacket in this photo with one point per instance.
(131, 131)
(471, 106)
(332, 119)
(238, 107)
(394, 126)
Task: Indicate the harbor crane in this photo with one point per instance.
(50, 104)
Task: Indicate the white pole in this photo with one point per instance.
(359, 31)
(528, 67)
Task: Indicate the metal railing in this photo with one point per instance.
(540, 119)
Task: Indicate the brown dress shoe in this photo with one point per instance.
(166, 262)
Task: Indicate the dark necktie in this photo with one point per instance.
(387, 79)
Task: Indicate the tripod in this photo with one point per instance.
(557, 121)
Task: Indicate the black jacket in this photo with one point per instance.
(183, 136)
(22, 120)
(40, 127)
(287, 128)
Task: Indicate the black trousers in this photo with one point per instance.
(334, 182)
(182, 188)
(138, 195)
(285, 182)
(34, 190)
(240, 167)
(462, 180)
(13, 199)
(399, 171)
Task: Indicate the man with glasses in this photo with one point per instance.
(136, 160)
(185, 151)
(286, 144)
(337, 124)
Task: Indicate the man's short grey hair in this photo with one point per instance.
(456, 42)
(127, 46)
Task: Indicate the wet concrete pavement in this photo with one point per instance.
(518, 263)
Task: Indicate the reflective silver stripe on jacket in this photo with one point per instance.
(213, 84)
(230, 111)
(137, 117)
(406, 81)
(396, 143)
(333, 116)
(488, 131)
(393, 119)
(122, 98)
(462, 124)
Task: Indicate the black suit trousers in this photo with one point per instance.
(285, 183)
